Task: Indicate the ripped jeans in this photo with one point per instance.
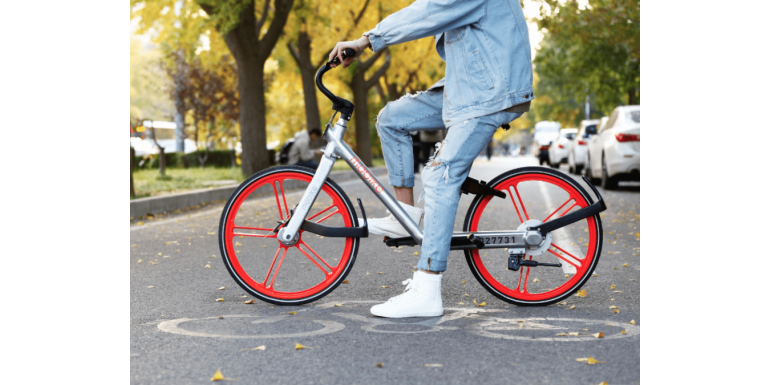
(447, 169)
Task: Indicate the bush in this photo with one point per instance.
(216, 158)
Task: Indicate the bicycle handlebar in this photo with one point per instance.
(345, 107)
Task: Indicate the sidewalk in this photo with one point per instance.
(171, 202)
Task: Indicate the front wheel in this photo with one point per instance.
(269, 270)
(541, 194)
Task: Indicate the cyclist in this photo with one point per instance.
(488, 83)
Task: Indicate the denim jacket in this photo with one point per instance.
(485, 44)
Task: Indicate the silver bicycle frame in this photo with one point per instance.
(335, 148)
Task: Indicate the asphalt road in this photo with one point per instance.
(181, 334)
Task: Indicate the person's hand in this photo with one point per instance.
(341, 46)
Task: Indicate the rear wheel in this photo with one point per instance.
(270, 270)
(535, 193)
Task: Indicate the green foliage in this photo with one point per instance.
(595, 48)
(149, 183)
(217, 158)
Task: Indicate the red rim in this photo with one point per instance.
(519, 289)
(264, 281)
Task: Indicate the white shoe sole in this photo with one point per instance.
(434, 313)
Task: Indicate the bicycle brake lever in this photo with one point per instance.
(346, 53)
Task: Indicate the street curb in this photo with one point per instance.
(171, 202)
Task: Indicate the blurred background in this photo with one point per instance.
(219, 89)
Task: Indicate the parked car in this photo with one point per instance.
(545, 133)
(557, 153)
(613, 153)
(576, 154)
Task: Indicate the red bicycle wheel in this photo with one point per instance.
(535, 194)
(270, 270)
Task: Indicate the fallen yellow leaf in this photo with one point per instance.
(416, 253)
(220, 300)
(222, 288)
(566, 275)
(217, 376)
(535, 280)
(139, 261)
(346, 281)
(292, 312)
(384, 287)
(632, 322)
(589, 361)
(482, 304)
(613, 307)
(612, 287)
(574, 333)
(572, 307)
(150, 287)
(637, 234)
(153, 263)
(595, 275)
(337, 305)
(616, 311)
(238, 244)
(463, 282)
(249, 302)
(298, 346)
(561, 335)
(598, 335)
(617, 291)
(622, 332)
(140, 223)
(466, 294)
(160, 253)
(603, 383)
(210, 233)
(379, 364)
(625, 265)
(434, 365)
(581, 293)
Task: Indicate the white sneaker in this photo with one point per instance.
(390, 227)
(421, 298)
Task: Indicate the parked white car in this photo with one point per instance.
(613, 153)
(557, 154)
(576, 154)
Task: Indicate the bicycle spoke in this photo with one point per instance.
(557, 210)
(327, 217)
(277, 202)
(271, 235)
(313, 260)
(321, 212)
(277, 269)
(515, 206)
(316, 254)
(283, 194)
(565, 252)
(526, 277)
(521, 201)
(271, 265)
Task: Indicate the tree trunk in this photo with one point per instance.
(162, 161)
(133, 194)
(308, 70)
(361, 116)
(250, 53)
(632, 96)
(179, 135)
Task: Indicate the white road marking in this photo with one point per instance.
(482, 329)
(172, 326)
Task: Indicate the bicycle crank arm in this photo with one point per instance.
(571, 218)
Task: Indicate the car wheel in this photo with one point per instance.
(578, 170)
(588, 172)
(571, 170)
(608, 183)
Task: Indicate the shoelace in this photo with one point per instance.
(408, 287)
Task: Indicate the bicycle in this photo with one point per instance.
(338, 238)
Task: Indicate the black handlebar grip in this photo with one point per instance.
(346, 53)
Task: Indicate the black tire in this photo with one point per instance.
(608, 182)
(578, 170)
(570, 288)
(342, 270)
